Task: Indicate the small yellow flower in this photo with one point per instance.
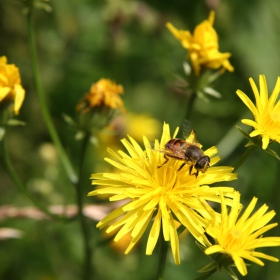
(203, 46)
(104, 93)
(266, 112)
(11, 90)
(238, 239)
(156, 192)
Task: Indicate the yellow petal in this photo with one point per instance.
(246, 100)
(249, 122)
(174, 241)
(265, 141)
(19, 97)
(154, 234)
(213, 249)
(136, 239)
(256, 93)
(263, 91)
(264, 256)
(112, 216)
(240, 264)
(4, 91)
(274, 95)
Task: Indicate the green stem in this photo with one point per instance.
(249, 151)
(20, 186)
(46, 114)
(163, 249)
(190, 104)
(87, 274)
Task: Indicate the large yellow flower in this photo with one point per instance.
(266, 112)
(104, 93)
(203, 46)
(238, 239)
(11, 90)
(157, 192)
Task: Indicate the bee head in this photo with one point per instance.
(202, 164)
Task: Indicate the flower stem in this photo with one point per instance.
(19, 184)
(191, 101)
(163, 249)
(249, 151)
(87, 274)
(46, 114)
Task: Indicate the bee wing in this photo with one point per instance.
(188, 132)
(165, 151)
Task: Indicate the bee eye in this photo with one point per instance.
(203, 164)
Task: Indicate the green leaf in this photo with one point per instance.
(180, 229)
(231, 273)
(69, 120)
(273, 153)
(94, 141)
(2, 133)
(250, 143)
(214, 76)
(200, 246)
(80, 135)
(187, 68)
(208, 267)
(43, 5)
(245, 134)
(202, 96)
(15, 122)
(212, 92)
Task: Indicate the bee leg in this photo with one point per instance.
(190, 171)
(181, 166)
(195, 174)
(166, 160)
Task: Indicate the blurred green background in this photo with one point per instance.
(81, 41)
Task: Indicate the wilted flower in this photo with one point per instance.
(237, 239)
(266, 112)
(104, 93)
(203, 46)
(11, 91)
(157, 192)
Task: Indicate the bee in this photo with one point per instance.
(187, 150)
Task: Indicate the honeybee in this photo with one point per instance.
(188, 151)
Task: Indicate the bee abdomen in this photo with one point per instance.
(175, 143)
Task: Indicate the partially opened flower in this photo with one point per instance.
(159, 193)
(237, 238)
(97, 109)
(11, 91)
(266, 112)
(104, 93)
(203, 46)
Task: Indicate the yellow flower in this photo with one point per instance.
(203, 46)
(104, 93)
(157, 192)
(238, 239)
(10, 85)
(266, 112)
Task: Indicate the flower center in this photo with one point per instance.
(271, 125)
(233, 239)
